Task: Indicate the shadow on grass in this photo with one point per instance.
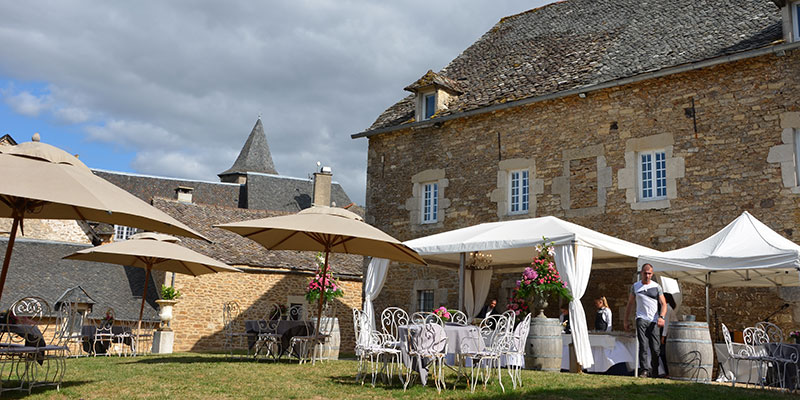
(192, 359)
(635, 389)
(42, 389)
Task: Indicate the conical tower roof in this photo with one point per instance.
(255, 155)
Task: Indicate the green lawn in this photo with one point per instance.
(204, 376)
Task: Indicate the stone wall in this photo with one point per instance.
(198, 315)
(717, 126)
(60, 230)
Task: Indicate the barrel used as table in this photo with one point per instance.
(543, 347)
(689, 350)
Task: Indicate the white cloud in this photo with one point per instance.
(26, 103)
(182, 83)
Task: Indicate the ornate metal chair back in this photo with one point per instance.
(391, 319)
(459, 317)
(426, 317)
(230, 311)
(774, 332)
(32, 311)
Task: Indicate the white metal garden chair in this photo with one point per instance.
(515, 352)
(427, 342)
(234, 337)
(496, 333)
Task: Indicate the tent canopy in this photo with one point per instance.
(744, 253)
(511, 243)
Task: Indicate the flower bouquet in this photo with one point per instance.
(540, 281)
(443, 313)
(332, 287)
(795, 335)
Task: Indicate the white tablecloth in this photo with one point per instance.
(746, 371)
(457, 336)
(607, 349)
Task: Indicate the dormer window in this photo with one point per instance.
(434, 93)
(429, 105)
(794, 9)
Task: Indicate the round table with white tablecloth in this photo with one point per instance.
(459, 338)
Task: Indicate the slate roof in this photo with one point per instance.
(576, 43)
(255, 155)
(280, 193)
(146, 187)
(37, 269)
(234, 249)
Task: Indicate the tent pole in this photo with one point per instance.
(461, 275)
(708, 310)
(636, 333)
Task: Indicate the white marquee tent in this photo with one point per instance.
(744, 253)
(511, 246)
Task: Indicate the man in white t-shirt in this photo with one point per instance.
(650, 309)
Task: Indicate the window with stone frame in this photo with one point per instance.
(430, 202)
(518, 191)
(122, 232)
(428, 105)
(795, 11)
(652, 175)
(425, 300)
(796, 135)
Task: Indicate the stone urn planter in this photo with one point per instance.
(166, 313)
(538, 303)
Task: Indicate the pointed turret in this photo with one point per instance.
(254, 157)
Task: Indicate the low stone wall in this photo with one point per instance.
(198, 321)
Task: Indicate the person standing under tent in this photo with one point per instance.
(651, 306)
(602, 321)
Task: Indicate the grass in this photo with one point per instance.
(204, 376)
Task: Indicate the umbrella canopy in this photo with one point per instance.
(153, 251)
(324, 229)
(41, 181)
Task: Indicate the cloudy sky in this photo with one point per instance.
(174, 88)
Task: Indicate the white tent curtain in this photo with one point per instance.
(373, 283)
(476, 289)
(575, 270)
(481, 279)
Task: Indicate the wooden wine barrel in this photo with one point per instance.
(689, 350)
(330, 350)
(543, 348)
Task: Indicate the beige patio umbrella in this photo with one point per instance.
(324, 229)
(153, 251)
(44, 182)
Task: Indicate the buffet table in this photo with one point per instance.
(608, 349)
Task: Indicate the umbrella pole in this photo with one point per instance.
(9, 247)
(144, 296)
(322, 293)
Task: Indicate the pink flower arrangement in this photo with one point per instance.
(541, 279)
(332, 290)
(443, 313)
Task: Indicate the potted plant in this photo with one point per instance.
(169, 297)
(539, 281)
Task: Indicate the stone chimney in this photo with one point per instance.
(184, 194)
(322, 187)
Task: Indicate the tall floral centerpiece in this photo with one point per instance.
(315, 287)
(539, 282)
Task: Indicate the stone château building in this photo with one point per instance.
(656, 122)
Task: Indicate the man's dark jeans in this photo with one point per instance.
(649, 335)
